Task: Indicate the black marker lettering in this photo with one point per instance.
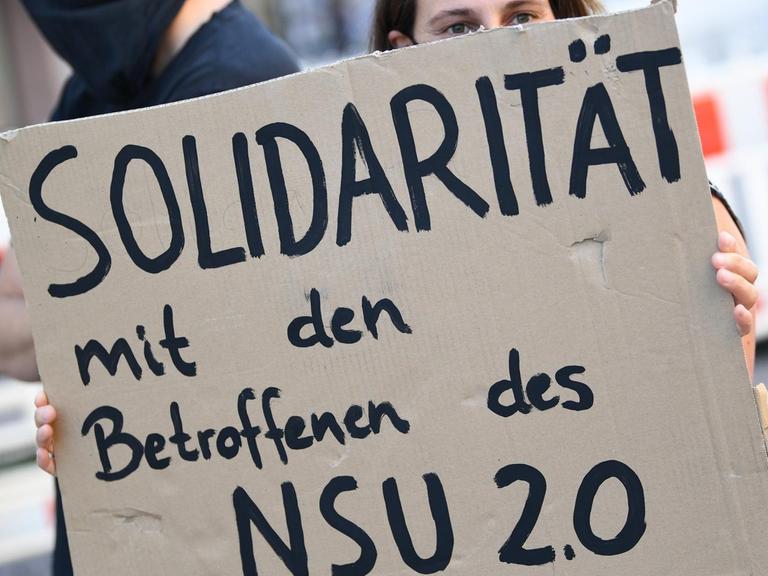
(529, 84)
(228, 442)
(325, 422)
(634, 526)
(586, 397)
(273, 432)
(204, 439)
(371, 315)
(650, 63)
(355, 141)
(100, 270)
(377, 411)
(173, 344)
(152, 447)
(157, 367)
(116, 438)
(353, 416)
(206, 257)
(267, 138)
(515, 384)
(294, 556)
(535, 389)
(249, 432)
(110, 360)
(416, 170)
(513, 551)
(165, 260)
(597, 105)
(247, 197)
(180, 438)
(342, 317)
(367, 559)
(494, 134)
(294, 428)
(440, 516)
(315, 320)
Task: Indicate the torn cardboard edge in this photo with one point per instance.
(673, 2)
(11, 134)
(490, 325)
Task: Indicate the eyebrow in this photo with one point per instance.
(512, 4)
(463, 12)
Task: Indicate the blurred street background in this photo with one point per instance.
(725, 46)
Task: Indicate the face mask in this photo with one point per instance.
(110, 45)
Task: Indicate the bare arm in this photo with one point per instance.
(17, 350)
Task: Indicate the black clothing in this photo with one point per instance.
(62, 563)
(111, 47)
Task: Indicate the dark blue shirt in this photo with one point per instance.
(232, 50)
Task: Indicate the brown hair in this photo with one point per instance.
(400, 15)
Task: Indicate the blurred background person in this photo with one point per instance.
(124, 55)
(728, 75)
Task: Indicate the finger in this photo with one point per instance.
(744, 319)
(45, 415)
(41, 399)
(743, 292)
(726, 242)
(44, 438)
(45, 462)
(737, 264)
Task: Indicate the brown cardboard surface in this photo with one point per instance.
(652, 421)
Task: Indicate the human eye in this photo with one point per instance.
(459, 28)
(522, 18)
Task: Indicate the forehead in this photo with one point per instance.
(427, 8)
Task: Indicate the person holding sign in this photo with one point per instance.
(399, 24)
(732, 265)
(126, 55)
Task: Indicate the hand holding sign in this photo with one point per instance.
(45, 417)
(737, 273)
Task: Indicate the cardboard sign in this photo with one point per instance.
(443, 309)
